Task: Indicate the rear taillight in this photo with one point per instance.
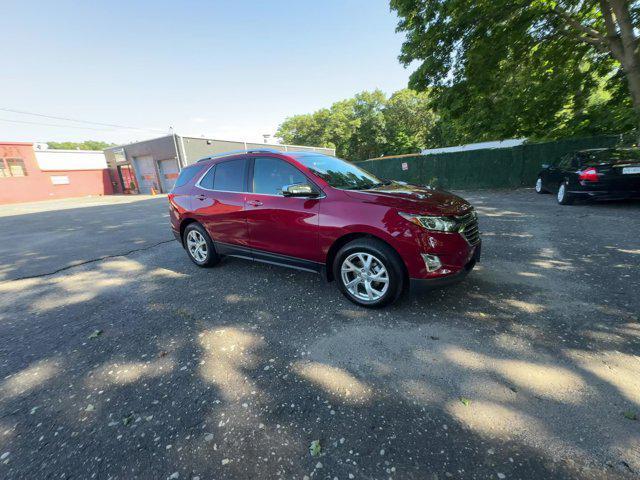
(589, 175)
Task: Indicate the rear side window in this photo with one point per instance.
(613, 157)
(186, 175)
(271, 174)
(207, 180)
(230, 176)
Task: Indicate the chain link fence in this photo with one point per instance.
(488, 168)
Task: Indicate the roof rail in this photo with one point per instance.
(239, 152)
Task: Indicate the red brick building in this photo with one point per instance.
(28, 174)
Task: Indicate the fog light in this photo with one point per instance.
(432, 262)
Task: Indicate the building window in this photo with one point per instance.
(12, 167)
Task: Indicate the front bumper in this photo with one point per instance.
(422, 284)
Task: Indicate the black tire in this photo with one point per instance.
(539, 186)
(380, 253)
(564, 197)
(210, 258)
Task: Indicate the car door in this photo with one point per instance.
(557, 172)
(219, 201)
(281, 226)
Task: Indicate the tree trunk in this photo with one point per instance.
(632, 73)
(623, 44)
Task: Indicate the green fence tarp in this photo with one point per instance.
(487, 168)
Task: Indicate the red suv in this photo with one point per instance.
(321, 214)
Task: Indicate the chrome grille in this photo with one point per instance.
(469, 227)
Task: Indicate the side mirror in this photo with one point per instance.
(545, 166)
(299, 190)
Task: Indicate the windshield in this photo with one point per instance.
(338, 173)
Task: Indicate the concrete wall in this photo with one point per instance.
(39, 184)
(162, 148)
(514, 142)
(185, 151)
(197, 148)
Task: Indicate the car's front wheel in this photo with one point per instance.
(199, 246)
(564, 197)
(369, 273)
(539, 187)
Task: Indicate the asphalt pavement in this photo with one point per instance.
(131, 362)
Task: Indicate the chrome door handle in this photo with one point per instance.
(254, 203)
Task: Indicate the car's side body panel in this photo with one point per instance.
(283, 225)
(222, 214)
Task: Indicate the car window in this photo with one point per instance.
(336, 172)
(186, 175)
(207, 180)
(271, 174)
(565, 162)
(620, 156)
(229, 176)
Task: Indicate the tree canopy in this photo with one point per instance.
(491, 70)
(368, 125)
(86, 145)
(542, 68)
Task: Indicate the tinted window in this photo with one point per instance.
(271, 174)
(207, 180)
(620, 156)
(565, 162)
(186, 175)
(338, 173)
(229, 176)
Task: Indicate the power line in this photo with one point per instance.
(22, 112)
(56, 125)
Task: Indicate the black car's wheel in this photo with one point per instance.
(539, 187)
(369, 273)
(564, 197)
(199, 246)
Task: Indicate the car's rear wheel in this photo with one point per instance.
(564, 197)
(199, 246)
(539, 187)
(369, 273)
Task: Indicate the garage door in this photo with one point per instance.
(145, 168)
(168, 173)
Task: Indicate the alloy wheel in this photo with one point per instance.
(197, 246)
(365, 276)
(561, 192)
(539, 185)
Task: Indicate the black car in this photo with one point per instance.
(604, 173)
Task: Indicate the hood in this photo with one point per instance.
(413, 199)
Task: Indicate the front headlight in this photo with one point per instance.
(430, 222)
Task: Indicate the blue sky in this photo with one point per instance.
(224, 69)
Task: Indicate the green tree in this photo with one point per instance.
(367, 125)
(369, 139)
(86, 145)
(499, 68)
(409, 123)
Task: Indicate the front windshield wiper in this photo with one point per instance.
(370, 186)
(383, 183)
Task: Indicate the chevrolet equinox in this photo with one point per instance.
(318, 213)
